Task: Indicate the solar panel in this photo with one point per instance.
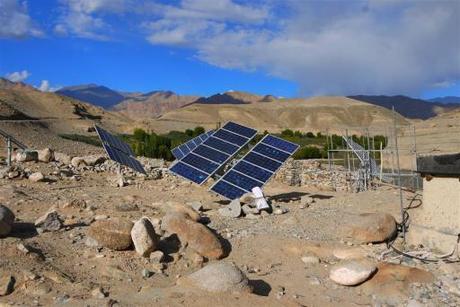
(207, 158)
(255, 168)
(182, 150)
(119, 151)
(113, 141)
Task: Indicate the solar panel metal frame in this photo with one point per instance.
(230, 156)
(106, 144)
(242, 159)
(202, 137)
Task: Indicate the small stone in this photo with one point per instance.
(51, 221)
(27, 156)
(349, 253)
(146, 273)
(251, 216)
(23, 248)
(196, 205)
(98, 293)
(6, 221)
(310, 260)
(144, 237)
(218, 277)
(101, 217)
(6, 285)
(37, 177)
(231, 210)
(157, 256)
(279, 211)
(306, 201)
(45, 155)
(249, 210)
(352, 273)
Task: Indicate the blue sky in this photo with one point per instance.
(286, 48)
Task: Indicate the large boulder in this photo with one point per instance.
(45, 155)
(6, 221)
(352, 273)
(196, 235)
(371, 228)
(27, 156)
(114, 234)
(218, 277)
(144, 237)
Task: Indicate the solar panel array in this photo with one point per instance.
(207, 158)
(119, 151)
(182, 150)
(255, 168)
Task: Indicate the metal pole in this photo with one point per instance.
(403, 226)
(10, 151)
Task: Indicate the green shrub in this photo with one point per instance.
(308, 152)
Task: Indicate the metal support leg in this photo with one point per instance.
(10, 151)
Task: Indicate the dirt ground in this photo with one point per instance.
(64, 270)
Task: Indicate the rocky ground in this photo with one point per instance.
(83, 236)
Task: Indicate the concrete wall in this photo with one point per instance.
(436, 223)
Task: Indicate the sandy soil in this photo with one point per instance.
(267, 249)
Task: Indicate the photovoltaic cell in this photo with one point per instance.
(119, 151)
(255, 168)
(230, 137)
(238, 129)
(253, 171)
(213, 153)
(261, 161)
(200, 163)
(113, 141)
(271, 152)
(227, 190)
(189, 173)
(280, 144)
(221, 145)
(182, 150)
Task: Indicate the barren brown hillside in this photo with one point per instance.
(315, 114)
(36, 118)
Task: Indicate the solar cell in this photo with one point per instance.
(280, 144)
(182, 150)
(255, 168)
(200, 163)
(221, 145)
(264, 162)
(189, 173)
(271, 152)
(238, 129)
(214, 152)
(113, 141)
(119, 151)
(227, 190)
(230, 137)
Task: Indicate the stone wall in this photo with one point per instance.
(314, 173)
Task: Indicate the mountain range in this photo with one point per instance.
(156, 103)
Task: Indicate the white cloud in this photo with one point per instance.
(18, 76)
(45, 86)
(327, 47)
(84, 18)
(15, 21)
